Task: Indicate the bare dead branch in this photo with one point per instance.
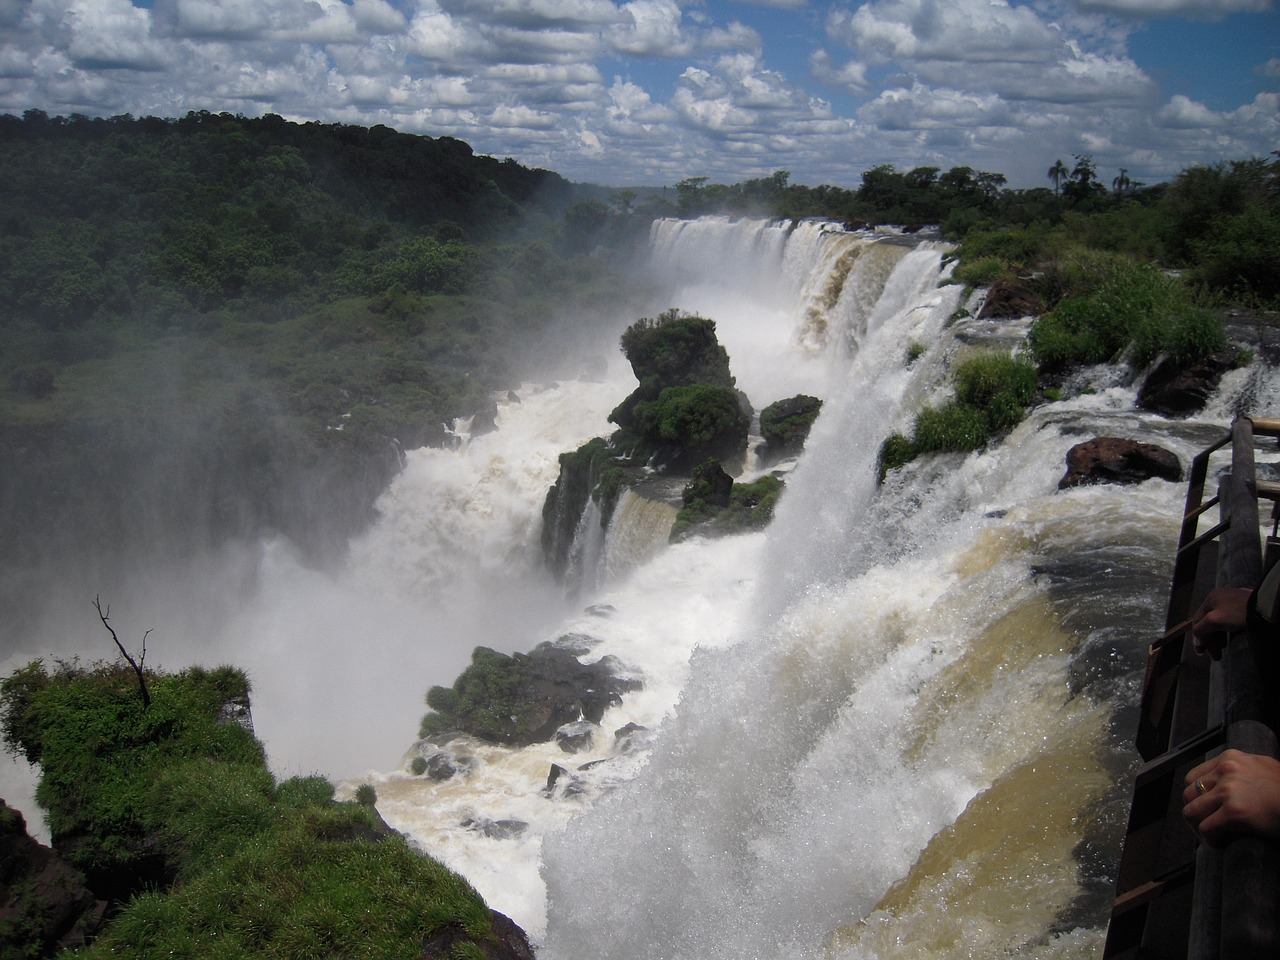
(105, 616)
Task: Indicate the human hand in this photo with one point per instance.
(1232, 794)
(1223, 610)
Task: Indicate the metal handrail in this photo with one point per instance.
(1236, 904)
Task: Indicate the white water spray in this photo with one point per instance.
(874, 726)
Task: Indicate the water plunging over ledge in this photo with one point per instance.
(895, 724)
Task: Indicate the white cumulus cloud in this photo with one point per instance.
(1205, 9)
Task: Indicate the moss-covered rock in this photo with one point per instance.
(599, 469)
(677, 351)
(993, 391)
(520, 699)
(684, 411)
(785, 426)
(714, 508)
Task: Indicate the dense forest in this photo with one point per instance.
(1219, 222)
(233, 326)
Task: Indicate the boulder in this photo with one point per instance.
(441, 767)
(576, 737)
(496, 829)
(485, 419)
(557, 689)
(1115, 460)
(1178, 391)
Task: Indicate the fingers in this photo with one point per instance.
(1223, 610)
(1233, 793)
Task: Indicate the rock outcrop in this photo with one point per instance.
(505, 941)
(1010, 300)
(45, 905)
(785, 427)
(1115, 460)
(685, 411)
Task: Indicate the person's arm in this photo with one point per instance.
(1234, 794)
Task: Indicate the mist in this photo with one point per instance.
(342, 615)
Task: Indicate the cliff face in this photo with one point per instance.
(45, 904)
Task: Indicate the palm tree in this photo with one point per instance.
(1122, 184)
(1057, 173)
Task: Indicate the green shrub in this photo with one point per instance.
(982, 272)
(248, 868)
(749, 506)
(1120, 307)
(1014, 247)
(102, 752)
(896, 451)
(786, 423)
(366, 795)
(677, 351)
(981, 377)
(999, 385)
(298, 793)
(950, 427)
(202, 812)
(700, 421)
(313, 887)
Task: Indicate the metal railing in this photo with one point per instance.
(1177, 898)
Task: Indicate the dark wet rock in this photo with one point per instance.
(710, 484)
(496, 829)
(505, 941)
(632, 736)
(521, 699)
(485, 420)
(1009, 300)
(560, 780)
(785, 427)
(1116, 460)
(576, 737)
(43, 900)
(1178, 391)
(578, 644)
(443, 766)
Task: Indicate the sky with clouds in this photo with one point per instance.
(649, 92)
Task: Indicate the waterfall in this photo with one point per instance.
(895, 724)
(638, 530)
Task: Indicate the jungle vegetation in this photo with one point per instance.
(168, 809)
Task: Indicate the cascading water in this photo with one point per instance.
(895, 724)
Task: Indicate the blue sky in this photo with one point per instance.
(649, 92)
